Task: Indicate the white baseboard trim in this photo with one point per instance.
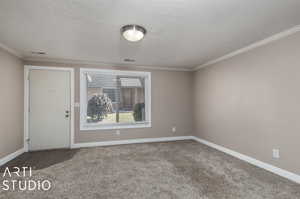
(11, 156)
(281, 172)
(131, 141)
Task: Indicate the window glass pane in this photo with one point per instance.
(115, 99)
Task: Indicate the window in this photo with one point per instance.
(113, 99)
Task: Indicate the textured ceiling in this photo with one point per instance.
(180, 33)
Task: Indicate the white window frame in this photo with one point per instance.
(84, 126)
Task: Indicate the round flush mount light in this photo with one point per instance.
(133, 33)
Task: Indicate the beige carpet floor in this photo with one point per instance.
(171, 170)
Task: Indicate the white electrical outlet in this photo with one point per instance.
(174, 129)
(118, 132)
(276, 153)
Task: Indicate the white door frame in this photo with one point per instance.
(27, 69)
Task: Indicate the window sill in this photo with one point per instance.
(91, 127)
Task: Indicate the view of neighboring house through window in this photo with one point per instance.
(113, 99)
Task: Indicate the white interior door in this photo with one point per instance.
(49, 109)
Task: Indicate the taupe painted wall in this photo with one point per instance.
(251, 103)
(11, 103)
(171, 106)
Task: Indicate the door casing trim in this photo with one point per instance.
(27, 69)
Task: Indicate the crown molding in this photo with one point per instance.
(252, 46)
(97, 63)
(11, 51)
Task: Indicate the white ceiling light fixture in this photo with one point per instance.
(133, 33)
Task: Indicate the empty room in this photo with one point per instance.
(159, 99)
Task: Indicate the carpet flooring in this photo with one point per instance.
(170, 170)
